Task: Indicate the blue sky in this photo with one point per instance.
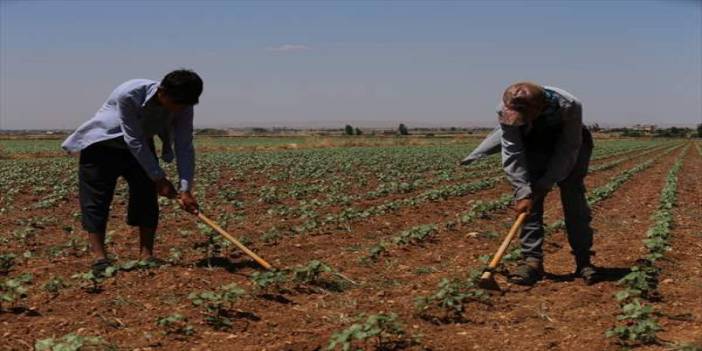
(363, 62)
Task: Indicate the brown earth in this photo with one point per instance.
(559, 313)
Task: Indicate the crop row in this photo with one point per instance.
(637, 322)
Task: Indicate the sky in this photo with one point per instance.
(370, 63)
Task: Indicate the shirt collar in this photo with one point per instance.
(150, 92)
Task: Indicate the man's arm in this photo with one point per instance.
(567, 148)
(514, 161)
(185, 152)
(134, 138)
(490, 145)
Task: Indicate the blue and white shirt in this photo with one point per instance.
(131, 113)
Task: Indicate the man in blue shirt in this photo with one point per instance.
(118, 141)
(544, 143)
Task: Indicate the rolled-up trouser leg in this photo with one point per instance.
(575, 207)
(532, 235)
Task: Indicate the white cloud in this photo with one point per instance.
(288, 48)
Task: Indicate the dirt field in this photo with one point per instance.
(389, 221)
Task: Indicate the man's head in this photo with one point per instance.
(522, 102)
(179, 89)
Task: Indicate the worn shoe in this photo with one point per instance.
(584, 269)
(528, 272)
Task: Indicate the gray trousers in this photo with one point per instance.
(576, 210)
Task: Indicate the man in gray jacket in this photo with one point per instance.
(544, 143)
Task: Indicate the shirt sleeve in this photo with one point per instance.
(514, 161)
(490, 145)
(184, 149)
(567, 148)
(134, 138)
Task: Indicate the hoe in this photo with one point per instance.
(229, 237)
(487, 280)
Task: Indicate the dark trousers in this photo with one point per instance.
(575, 207)
(99, 168)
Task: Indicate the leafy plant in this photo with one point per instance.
(376, 251)
(175, 324)
(640, 327)
(317, 273)
(451, 297)
(218, 304)
(69, 342)
(12, 290)
(270, 280)
(640, 282)
(415, 235)
(91, 282)
(138, 264)
(384, 329)
(54, 285)
(6, 262)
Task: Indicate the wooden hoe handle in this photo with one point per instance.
(233, 240)
(241, 246)
(505, 243)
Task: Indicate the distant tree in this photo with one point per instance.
(699, 130)
(631, 133)
(402, 129)
(358, 131)
(348, 130)
(673, 132)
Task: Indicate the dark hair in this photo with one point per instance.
(183, 86)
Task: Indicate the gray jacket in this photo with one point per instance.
(508, 139)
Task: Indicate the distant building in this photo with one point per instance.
(649, 128)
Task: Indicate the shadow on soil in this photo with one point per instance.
(24, 311)
(604, 274)
(226, 263)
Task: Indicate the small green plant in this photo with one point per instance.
(91, 282)
(269, 194)
(175, 255)
(271, 236)
(317, 273)
(138, 265)
(6, 262)
(270, 280)
(450, 297)
(640, 282)
(385, 330)
(175, 324)
(376, 251)
(640, 327)
(218, 304)
(54, 285)
(70, 342)
(415, 235)
(12, 290)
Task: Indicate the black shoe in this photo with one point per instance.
(584, 269)
(528, 272)
(588, 273)
(98, 268)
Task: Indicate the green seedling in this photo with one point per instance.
(175, 324)
(218, 304)
(385, 331)
(70, 342)
(12, 290)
